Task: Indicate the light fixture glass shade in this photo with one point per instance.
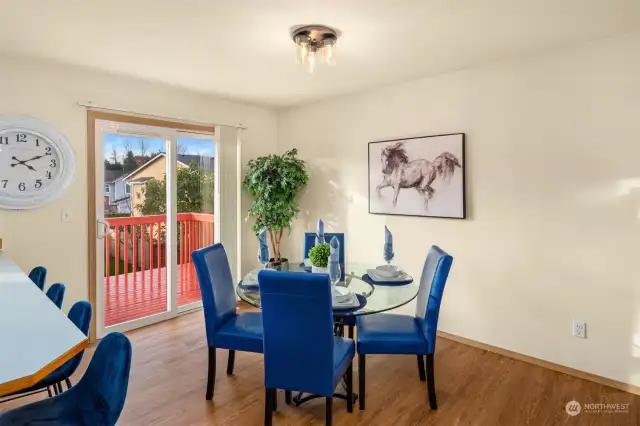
(315, 44)
(330, 55)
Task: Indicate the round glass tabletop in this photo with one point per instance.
(379, 297)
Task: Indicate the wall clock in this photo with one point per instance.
(36, 163)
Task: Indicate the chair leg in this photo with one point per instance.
(287, 397)
(349, 383)
(329, 411)
(49, 391)
(211, 379)
(351, 332)
(361, 379)
(423, 377)
(232, 361)
(268, 407)
(431, 383)
(68, 382)
(275, 399)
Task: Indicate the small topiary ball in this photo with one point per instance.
(319, 255)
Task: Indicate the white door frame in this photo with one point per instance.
(171, 136)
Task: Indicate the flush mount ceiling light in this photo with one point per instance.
(314, 40)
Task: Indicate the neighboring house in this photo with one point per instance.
(156, 168)
(116, 197)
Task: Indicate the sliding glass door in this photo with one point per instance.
(155, 198)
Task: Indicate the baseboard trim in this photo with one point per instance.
(545, 364)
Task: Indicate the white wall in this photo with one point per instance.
(553, 193)
(50, 91)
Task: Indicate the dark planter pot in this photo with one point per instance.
(281, 265)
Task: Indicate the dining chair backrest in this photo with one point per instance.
(56, 294)
(434, 277)
(216, 287)
(39, 276)
(106, 380)
(310, 242)
(79, 314)
(297, 318)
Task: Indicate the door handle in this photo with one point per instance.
(102, 225)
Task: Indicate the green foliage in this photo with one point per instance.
(275, 182)
(195, 192)
(129, 164)
(113, 214)
(319, 255)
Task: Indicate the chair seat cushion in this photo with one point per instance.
(390, 334)
(343, 352)
(242, 332)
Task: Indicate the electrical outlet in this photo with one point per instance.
(580, 328)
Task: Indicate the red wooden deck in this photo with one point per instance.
(143, 293)
(135, 243)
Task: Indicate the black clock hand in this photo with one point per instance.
(23, 163)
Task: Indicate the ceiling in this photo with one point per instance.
(241, 49)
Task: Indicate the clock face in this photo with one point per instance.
(29, 163)
(36, 162)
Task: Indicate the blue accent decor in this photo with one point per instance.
(39, 276)
(320, 238)
(388, 245)
(226, 329)
(56, 294)
(301, 353)
(367, 279)
(80, 315)
(97, 399)
(263, 253)
(402, 334)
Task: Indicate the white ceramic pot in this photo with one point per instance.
(318, 270)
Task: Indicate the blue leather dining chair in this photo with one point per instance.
(56, 294)
(39, 276)
(80, 315)
(97, 399)
(226, 329)
(300, 351)
(403, 334)
(310, 242)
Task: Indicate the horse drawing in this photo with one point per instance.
(400, 173)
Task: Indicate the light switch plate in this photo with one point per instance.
(66, 216)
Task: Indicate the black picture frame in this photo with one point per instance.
(462, 167)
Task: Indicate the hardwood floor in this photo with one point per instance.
(475, 387)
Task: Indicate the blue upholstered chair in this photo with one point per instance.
(226, 329)
(300, 350)
(310, 242)
(56, 294)
(403, 334)
(39, 276)
(80, 315)
(97, 399)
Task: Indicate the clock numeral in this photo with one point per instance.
(47, 151)
(53, 163)
(22, 186)
(48, 175)
(38, 184)
(37, 142)
(21, 137)
(4, 141)
(4, 183)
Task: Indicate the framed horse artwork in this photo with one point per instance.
(421, 176)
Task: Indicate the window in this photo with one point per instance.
(107, 189)
(127, 188)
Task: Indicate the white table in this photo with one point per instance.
(35, 336)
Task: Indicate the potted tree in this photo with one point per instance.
(275, 182)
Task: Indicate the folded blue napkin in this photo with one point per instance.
(334, 259)
(263, 252)
(388, 245)
(320, 232)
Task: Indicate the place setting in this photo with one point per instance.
(387, 274)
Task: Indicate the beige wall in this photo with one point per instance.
(553, 193)
(50, 92)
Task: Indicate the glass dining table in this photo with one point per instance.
(375, 298)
